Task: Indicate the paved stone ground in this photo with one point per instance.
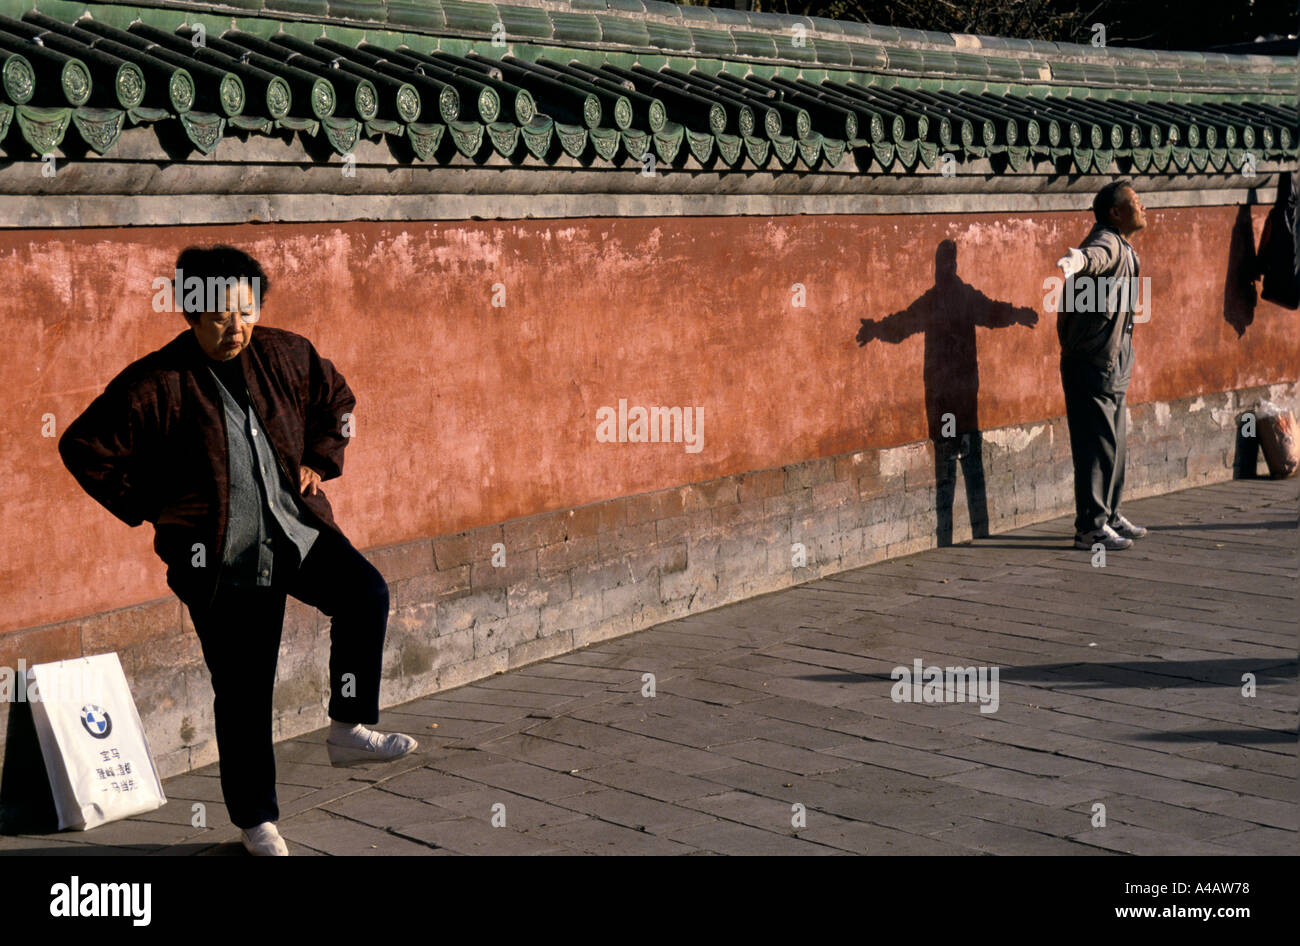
(1119, 685)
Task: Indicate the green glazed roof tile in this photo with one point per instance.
(1132, 76)
(524, 21)
(908, 60)
(305, 7)
(933, 60)
(787, 49)
(911, 36)
(1194, 77)
(249, 124)
(470, 17)
(622, 29)
(368, 10)
(576, 27)
(855, 29)
(760, 44)
(1094, 73)
(698, 16)
(99, 127)
(788, 22)
(712, 42)
(43, 128)
(820, 23)
(1067, 72)
(667, 36)
(659, 8)
(1003, 68)
(424, 14)
(832, 52)
(241, 4)
(972, 63)
(1164, 80)
(880, 34)
(1034, 70)
(725, 17)
(1074, 49)
(867, 57)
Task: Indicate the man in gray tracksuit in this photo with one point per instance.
(1095, 329)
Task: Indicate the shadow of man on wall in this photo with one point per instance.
(947, 315)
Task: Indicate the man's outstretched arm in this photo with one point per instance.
(1098, 256)
(106, 450)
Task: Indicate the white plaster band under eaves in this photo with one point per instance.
(114, 210)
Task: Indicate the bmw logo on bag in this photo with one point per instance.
(96, 721)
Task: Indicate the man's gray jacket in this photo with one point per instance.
(1098, 335)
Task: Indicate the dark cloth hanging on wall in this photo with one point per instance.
(1277, 259)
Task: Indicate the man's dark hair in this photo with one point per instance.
(1107, 198)
(219, 262)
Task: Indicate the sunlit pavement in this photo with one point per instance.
(1121, 722)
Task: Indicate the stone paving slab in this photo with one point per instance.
(328, 833)
(773, 728)
(596, 836)
(637, 812)
(478, 836)
(861, 837)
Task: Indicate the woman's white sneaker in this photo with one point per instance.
(357, 744)
(264, 840)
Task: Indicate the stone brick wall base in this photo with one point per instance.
(498, 597)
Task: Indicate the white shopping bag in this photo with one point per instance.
(95, 751)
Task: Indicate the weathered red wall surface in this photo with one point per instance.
(470, 414)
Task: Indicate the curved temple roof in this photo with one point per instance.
(617, 80)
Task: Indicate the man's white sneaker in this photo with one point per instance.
(1125, 528)
(375, 747)
(264, 840)
(1108, 538)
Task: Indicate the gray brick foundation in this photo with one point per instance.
(576, 576)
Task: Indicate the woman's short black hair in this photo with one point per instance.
(218, 262)
(1107, 198)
